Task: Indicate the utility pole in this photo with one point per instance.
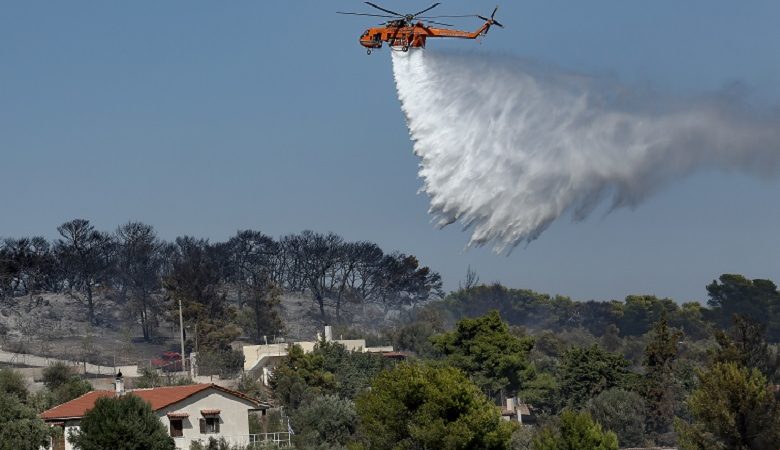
(181, 337)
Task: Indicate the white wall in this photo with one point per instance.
(234, 416)
(70, 426)
(254, 353)
(353, 345)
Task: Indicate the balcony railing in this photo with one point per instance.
(279, 439)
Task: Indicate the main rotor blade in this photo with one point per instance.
(382, 9)
(363, 14)
(439, 23)
(426, 9)
(445, 17)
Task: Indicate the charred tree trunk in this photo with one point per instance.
(90, 305)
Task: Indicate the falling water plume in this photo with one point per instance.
(508, 146)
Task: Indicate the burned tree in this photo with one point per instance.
(86, 256)
(138, 267)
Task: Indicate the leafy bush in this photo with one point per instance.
(252, 387)
(13, 383)
(73, 388)
(326, 420)
(522, 438)
(63, 384)
(224, 363)
(149, 378)
(623, 412)
(222, 444)
(56, 375)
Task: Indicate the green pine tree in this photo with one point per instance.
(484, 348)
(585, 372)
(418, 406)
(661, 388)
(576, 431)
(121, 423)
(733, 408)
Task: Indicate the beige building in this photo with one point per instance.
(261, 360)
(517, 412)
(189, 413)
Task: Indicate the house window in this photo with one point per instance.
(177, 428)
(209, 425)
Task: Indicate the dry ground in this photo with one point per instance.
(55, 325)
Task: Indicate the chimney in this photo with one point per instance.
(328, 333)
(510, 403)
(119, 382)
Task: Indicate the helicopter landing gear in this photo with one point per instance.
(405, 48)
(368, 52)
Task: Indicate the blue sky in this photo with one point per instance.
(205, 117)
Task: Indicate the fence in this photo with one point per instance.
(279, 439)
(28, 360)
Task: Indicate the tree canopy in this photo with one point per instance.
(484, 348)
(745, 344)
(733, 408)
(756, 299)
(684, 360)
(324, 422)
(575, 431)
(329, 369)
(661, 389)
(63, 384)
(20, 427)
(421, 406)
(585, 372)
(623, 412)
(121, 423)
(13, 383)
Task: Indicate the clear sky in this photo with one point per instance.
(205, 117)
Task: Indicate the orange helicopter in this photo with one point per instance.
(402, 33)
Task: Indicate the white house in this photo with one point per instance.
(190, 413)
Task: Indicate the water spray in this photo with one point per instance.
(508, 146)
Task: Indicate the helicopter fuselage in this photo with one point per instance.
(404, 35)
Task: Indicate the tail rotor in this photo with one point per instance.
(491, 21)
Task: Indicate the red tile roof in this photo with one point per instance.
(393, 355)
(158, 398)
